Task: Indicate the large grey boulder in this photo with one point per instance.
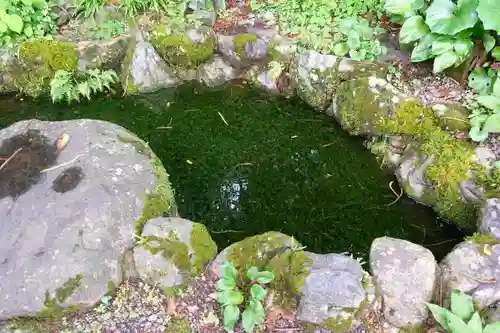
(405, 274)
(336, 292)
(172, 250)
(474, 269)
(67, 217)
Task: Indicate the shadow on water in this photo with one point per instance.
(244, 163)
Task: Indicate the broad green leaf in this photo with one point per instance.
(443, 61)
(496, 87)
(230, 297)
(492, 328)
(440, 314)
(264, 277)
(489, 12)
(14, 22)
(488, 42)
(4, 4)
(496, 53)
(252, 273)
(423, 49)
(258, 292)
(357, 54)
(28, 30)
(492, 125)
(477, 135)
(445, 17)
(475, 324)
(226, 284)
(27, 2)
(442, 45)
(491, 102)
(258, 309)
(228, 270)
(340, 49)
(231, 316)
(463, 47)
(248, 320)
(3, 27)
(480, 81)
(398, 7)
(353, 40)
(413, 29)
(457, 325)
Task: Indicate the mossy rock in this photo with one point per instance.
(38, 62)
(184, 51)
(272, 251)
(452, 117)
(172, 250)
(178, 325)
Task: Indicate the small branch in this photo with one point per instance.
(398, 196)
(63, 164)
(11, 157)
(223, 119)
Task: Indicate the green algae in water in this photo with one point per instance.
(244, 163)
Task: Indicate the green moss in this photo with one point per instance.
(174, 290)
(161, 200)
(178, 325)
(337, 324)
(129, 87)
(39, 60)
(50, 53)
(271, 251)
(273, 53)
(171, 247)
(204, 248)
(241, 40)
(53, 308)
(452, 159)
(181, 51)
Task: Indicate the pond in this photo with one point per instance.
(243, 163)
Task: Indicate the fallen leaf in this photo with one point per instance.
(62, 141)
(171, 306)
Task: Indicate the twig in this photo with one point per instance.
(287, 329)
(398, 196)
(328, 144)
(164, 127)
(224, 231)
(63, 164)
(222, 117)
(439, 243)
(11, 157)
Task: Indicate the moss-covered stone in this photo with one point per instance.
(39, 60)
(171, 247)
(452, 118)
(178, 325)
(180, 51)
(241, 40)
(204, 248)
(274, 252)
(161, 200)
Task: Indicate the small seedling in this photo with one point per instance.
(463, 318)
(233, 292)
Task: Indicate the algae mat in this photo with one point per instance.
(243, 163)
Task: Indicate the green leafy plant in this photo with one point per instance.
(445, 30)
(358, 39)
(485, 109)
(320, 25)
(71, 86)
(462, 318)
(109, 29)
(88, 8)
(234, 291)
(25, 19)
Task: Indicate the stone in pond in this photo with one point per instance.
(71, 244)
(171, 250)
(405, 274)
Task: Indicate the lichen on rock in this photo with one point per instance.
(172, 250)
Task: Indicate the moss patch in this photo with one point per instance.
(171, 247)
(182, 52)
(39, 60)
(178, 325)
(271, 251)
(452, 159)
(241, 40)
(204, 248)
(53, 308)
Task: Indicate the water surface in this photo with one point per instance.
(243, 163)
